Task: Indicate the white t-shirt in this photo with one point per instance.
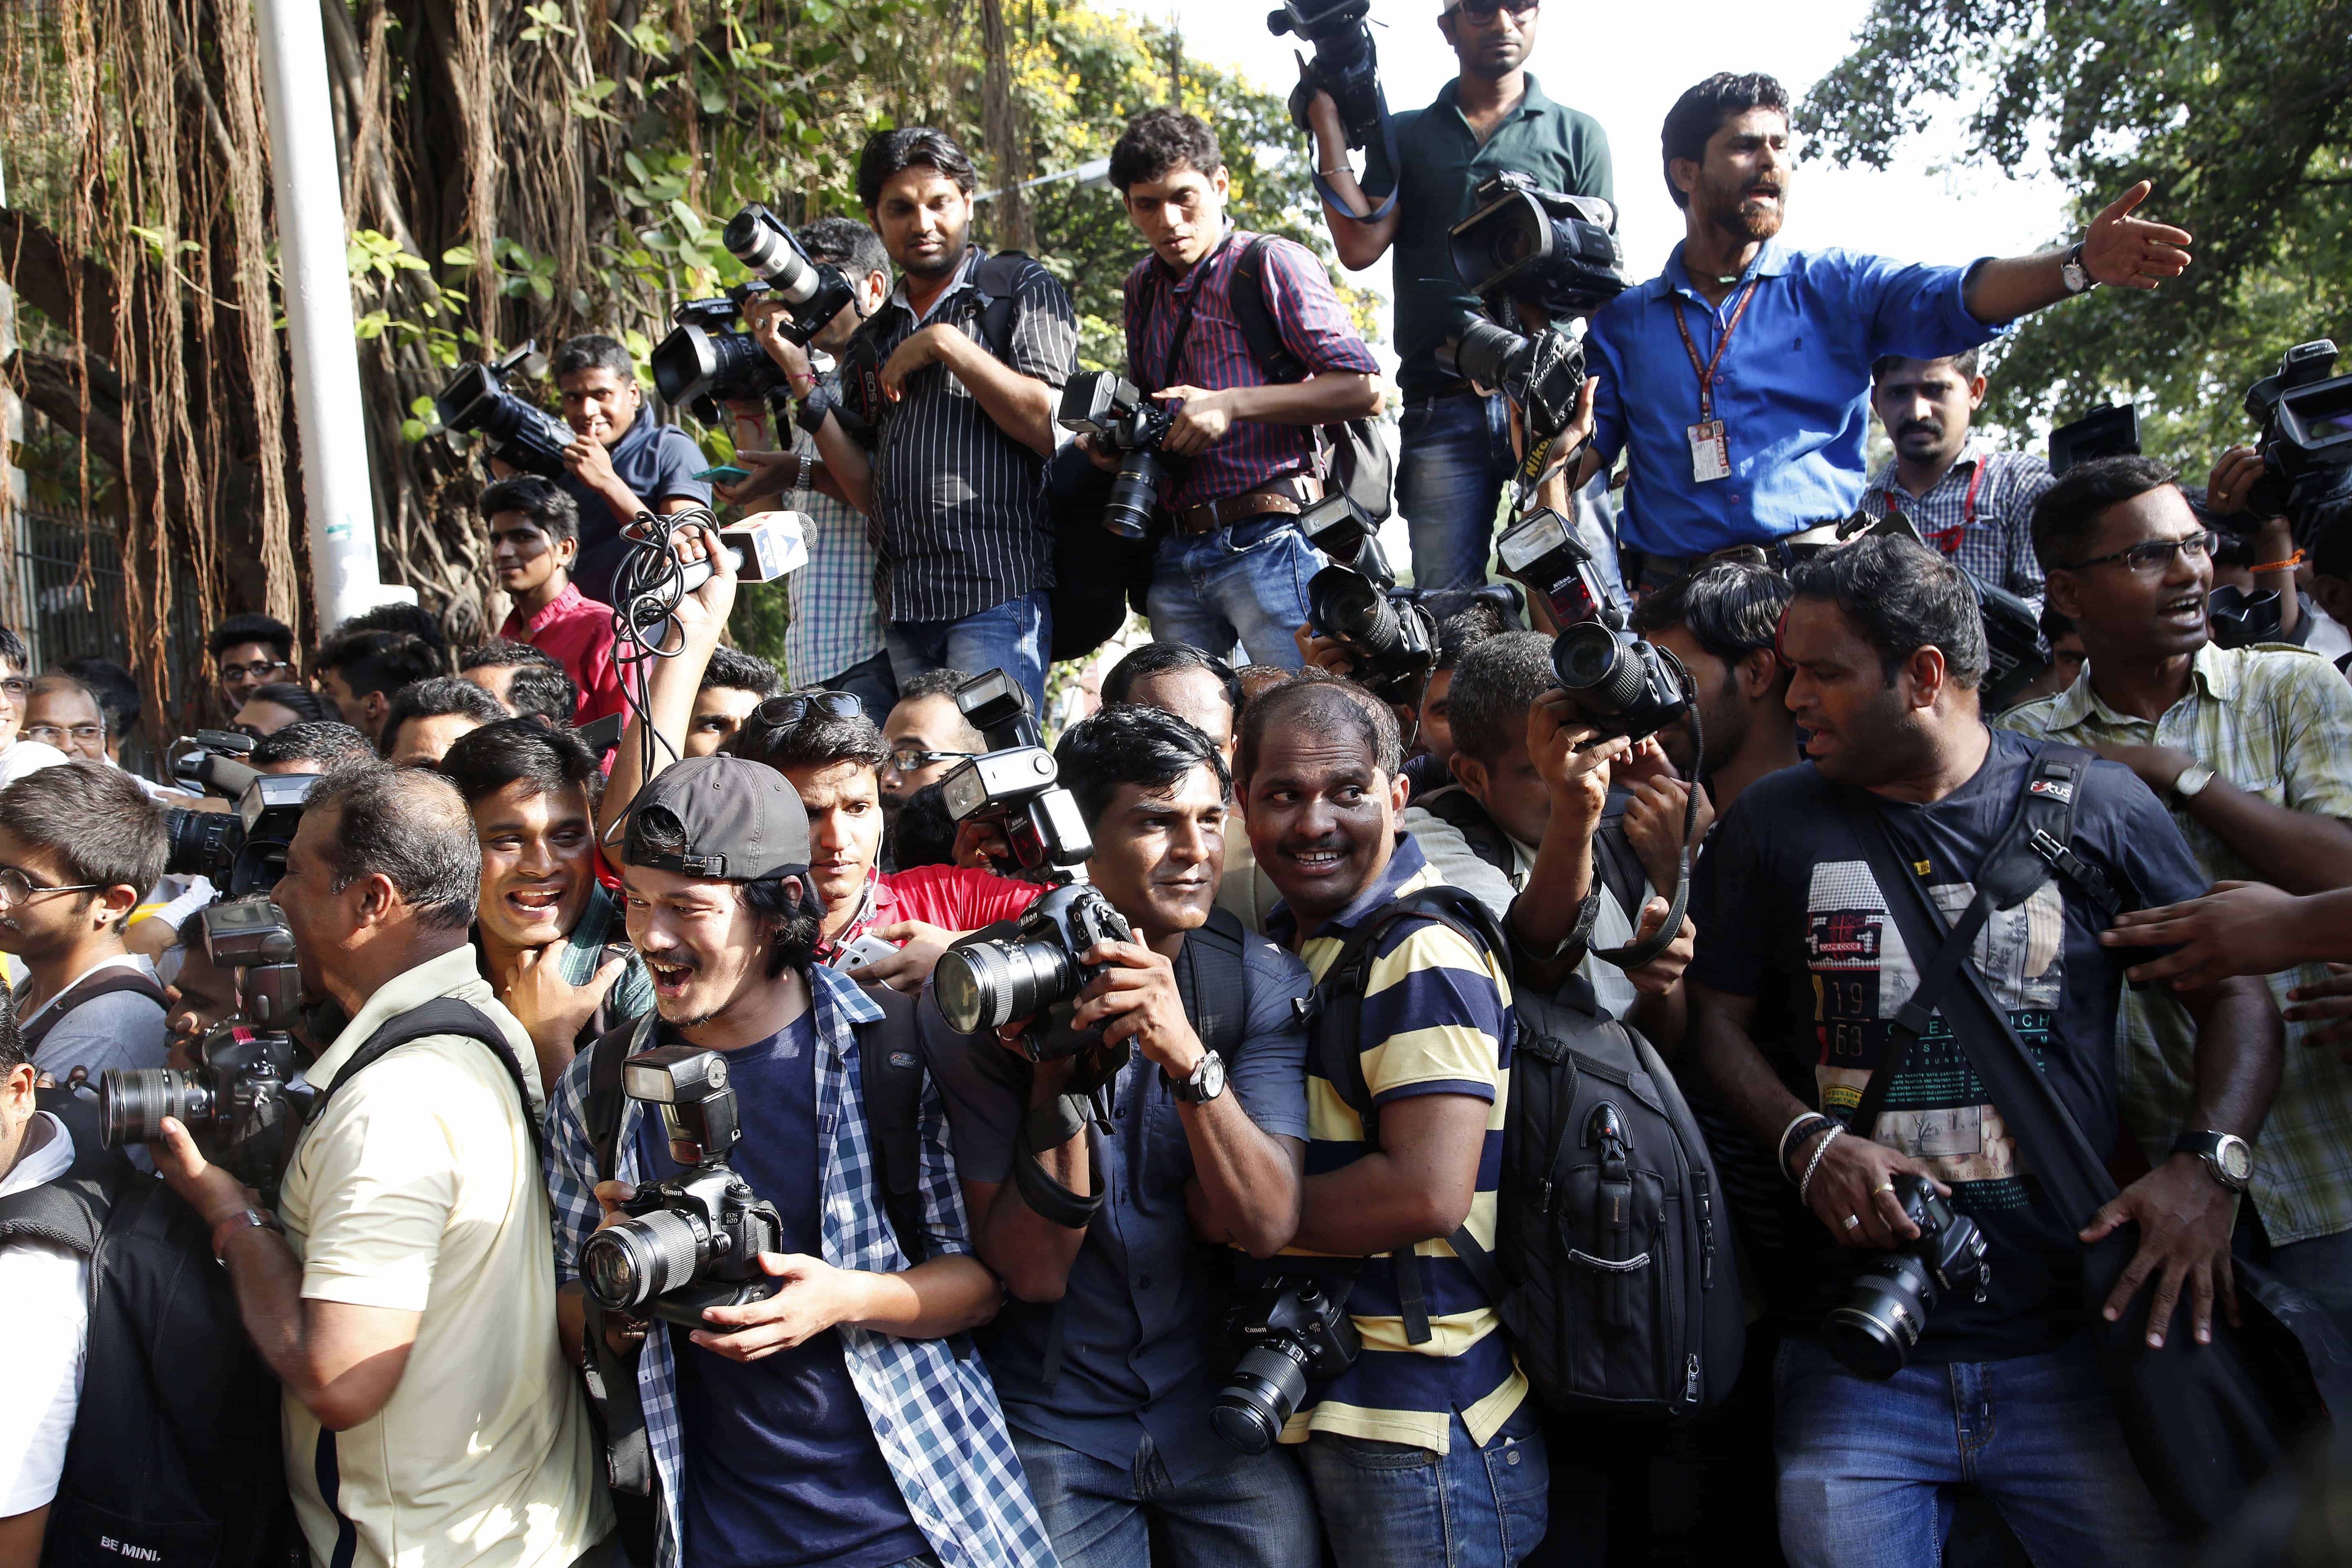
(47, 1288)
(24, 757)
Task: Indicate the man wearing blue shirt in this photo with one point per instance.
(1739, 378)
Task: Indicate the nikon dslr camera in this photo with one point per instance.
(1621, 684)
(1291, 1330)
(1120, 419)
(1873, 1332)
(983, 982)
(693, 1242)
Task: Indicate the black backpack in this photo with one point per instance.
(175, 1460)
(1611, 1269)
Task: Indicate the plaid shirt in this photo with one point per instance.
(2276, 723)
(836, 601)
(935, 1416)
(1981, 514)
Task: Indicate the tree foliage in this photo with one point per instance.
(2240, 111)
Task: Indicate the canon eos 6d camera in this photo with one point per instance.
(1290, 1331)
(1121, 420)
(693, 1242)
(1874, 1331)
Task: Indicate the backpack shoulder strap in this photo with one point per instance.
(1215, 981)
(441, 1015)
(890, 1074)
(1618, 867)
(1254, 312)
(998, 280)
(2043, 841)
(601, 1113)
(106, 982)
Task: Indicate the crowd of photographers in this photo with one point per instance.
(1794, 1026)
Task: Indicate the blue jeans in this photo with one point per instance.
(1392, 1505)
(1454, 456)
(1865, 1466)
(1011, 637)
(1245, 1510)
(1245, 583)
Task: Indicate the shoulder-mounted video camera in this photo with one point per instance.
(516, 432)
(2305, 415)
(1544, 249)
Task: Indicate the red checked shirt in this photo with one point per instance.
(957, 898)
(577, 631)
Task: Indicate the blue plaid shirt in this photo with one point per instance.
(836, 610)
(935, 1417)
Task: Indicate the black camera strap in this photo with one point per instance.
(1199, 280)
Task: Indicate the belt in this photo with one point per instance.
(1290, 496)
(1783, 553)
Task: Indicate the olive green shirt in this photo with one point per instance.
(1442, 162)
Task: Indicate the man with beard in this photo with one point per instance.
(1455, 442)
(1738, 377)
(962, 366)
(832, 1421)
(1974, 504)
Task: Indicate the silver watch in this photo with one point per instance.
(2192, 781)
(2229, 1159)
(1207, 1081)
(2074, 274)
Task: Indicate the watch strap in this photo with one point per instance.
(819, 403)
(2207, 1145)
(243, 1219)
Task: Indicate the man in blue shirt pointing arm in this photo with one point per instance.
(1738, 378)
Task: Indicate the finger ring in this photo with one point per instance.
(1853, 1222)
(1887, 1187)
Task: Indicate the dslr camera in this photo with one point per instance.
(983, 982)
(1289, 1331)
(1874, 1331)
(1543, 248)
(1355, 602)
(517, 433)
(707, 360)
(239, 1101)
(693, 1242)
(1345, 65)
(1619, 683)
(242, 851)
(1120, 419)
(1541, 375)
(2305, 415)
(1015, 785)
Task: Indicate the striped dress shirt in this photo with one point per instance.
(1980, 514)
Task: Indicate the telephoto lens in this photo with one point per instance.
(626, 1265)
(1352, 609)
(1874, 1331)
(766, 247)
(1484, 352)
(133, 1103)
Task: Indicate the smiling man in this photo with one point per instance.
(1205, 1055)
(1233, 566)
(534, 531)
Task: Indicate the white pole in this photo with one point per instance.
(328, 414)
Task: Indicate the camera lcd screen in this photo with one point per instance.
(2319, 415)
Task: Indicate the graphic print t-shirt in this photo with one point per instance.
(1789, 914)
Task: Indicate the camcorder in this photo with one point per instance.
(242, 851)
(990, 977)
(1389, 636)
(1118, 418)
(2109, 432)
(2305, 417)
(514, 430)
(1289, 1331)
(2015, 654)
(1345, 65)
(1543, 248)
(1541, 375)
(239, 1101)
(693, 1242)
(1881, 1321)
(707, 360)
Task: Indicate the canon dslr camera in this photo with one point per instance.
(1389, 636)
(1015, 785)
(1119, 419)
(1291, 1330)
(1874, 1331)
(519, 434)
(693, 1242)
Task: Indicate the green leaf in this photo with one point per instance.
(457, 256)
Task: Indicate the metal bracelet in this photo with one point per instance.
(1820, 1149)
(1808, 1123)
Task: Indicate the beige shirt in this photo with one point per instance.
(418, 1189)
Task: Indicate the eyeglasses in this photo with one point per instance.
(1484, 10)
(233, 673)
(914, 759)
(2153, 557)
(14, 688)
(16, 888)
(54, 734)
(784, 712)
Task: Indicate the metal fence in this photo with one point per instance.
(63, 595)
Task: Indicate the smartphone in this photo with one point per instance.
(725, 473)
(865, 949)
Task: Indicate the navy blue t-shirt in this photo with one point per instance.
(656, 461)
(781, 1464)
(1789, 913)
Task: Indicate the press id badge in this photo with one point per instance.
(1710, 451)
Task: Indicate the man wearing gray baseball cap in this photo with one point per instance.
(814, 1424)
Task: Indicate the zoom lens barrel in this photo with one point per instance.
(1873, 1331)
(756, 239)
(1134, 494)
(133, 1101)
(987, 984)
(626, 1265)
(1484, 352)
(1353, 610)
(1599, 668)
(1261, 1396)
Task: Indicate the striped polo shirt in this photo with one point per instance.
(1437, 1020)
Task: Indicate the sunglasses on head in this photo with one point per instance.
(795, 707)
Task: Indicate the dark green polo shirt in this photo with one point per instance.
(1443, 161)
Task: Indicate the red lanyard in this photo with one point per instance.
(1947, 539)
(1706, 372)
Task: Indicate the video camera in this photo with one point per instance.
(1355, 602)
(1546, 248)
(693, 1242)
(1121, 419)
(1345, 65)
(2305, 415)
(239, 1102)
(516, 432)
(242, 851)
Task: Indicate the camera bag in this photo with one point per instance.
(2203, 1422)
(1618, 1289)
(175, 1458)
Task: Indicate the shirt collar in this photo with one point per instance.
(963, 280)
(560, 607)
(2212, 673)
(1405, 862)
(1532, 101)
(1772, 261)
(455, 973)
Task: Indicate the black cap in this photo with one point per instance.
(743, 821)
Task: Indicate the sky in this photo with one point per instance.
(1625, 64)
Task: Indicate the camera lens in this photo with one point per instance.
(1353, 610)
(765, 246)
(199, 843)
(629, 1264)
(1134, 493)
(1873, 1331)
(133, 1101)
(1601, 670)
(989, 984)
(1258, 1400)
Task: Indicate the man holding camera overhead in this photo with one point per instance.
(1233, 566)
(1455, 443)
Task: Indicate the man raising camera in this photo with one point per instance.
(1233, 567)
(1103, 1356)
(829, 1421)
(1455, 443)
(403, 1293)
(1800, 999)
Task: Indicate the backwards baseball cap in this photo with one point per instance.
(742, 820)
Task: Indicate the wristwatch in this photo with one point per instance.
(243, 1219)
(2192, 781)
(1207, 1082)
(2229, 1159)
(2074, 274)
